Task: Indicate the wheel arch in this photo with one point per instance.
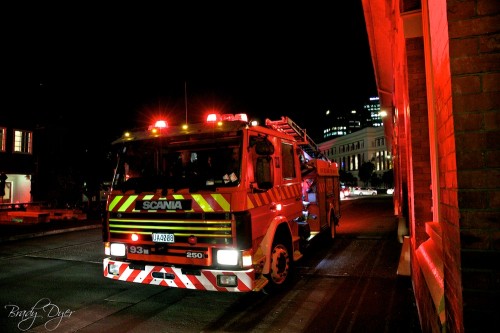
(278, 226)
(333, 213)
(333, 217)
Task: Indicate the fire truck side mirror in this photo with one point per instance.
(264, 147)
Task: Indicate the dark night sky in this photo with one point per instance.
(112, 69)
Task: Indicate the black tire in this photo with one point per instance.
(281, 270)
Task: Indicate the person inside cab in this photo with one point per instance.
(234, 167)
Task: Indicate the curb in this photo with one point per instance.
(47, 233)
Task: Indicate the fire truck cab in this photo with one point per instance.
(219, 206)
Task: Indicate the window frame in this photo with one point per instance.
(24, 145)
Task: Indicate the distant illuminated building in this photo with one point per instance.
(342, 124)
(352, 150)
(372, 111)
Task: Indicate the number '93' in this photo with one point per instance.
(136, 249)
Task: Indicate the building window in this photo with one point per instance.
(3, 132)
(379, 142)
(22, 141)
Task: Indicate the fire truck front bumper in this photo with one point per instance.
(176, 277)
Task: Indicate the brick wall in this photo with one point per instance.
(474, 32)
(461, 41)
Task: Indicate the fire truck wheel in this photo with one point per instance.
(280, 270)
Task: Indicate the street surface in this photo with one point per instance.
(55, 283)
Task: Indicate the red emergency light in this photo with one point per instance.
(241, 117)
(158, 126)
(215, 117)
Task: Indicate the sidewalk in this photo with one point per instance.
(11, 231)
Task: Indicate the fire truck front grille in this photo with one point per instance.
(208, 228)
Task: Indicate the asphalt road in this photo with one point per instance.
(349, 284)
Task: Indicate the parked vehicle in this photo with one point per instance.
(344, 192)
(390, 191)
(224, 205)
(364, 191)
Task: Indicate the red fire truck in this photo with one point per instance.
(225, 205)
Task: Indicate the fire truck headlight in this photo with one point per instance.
(114, 269)
(118, 250)
(227, 280)
(227, 257)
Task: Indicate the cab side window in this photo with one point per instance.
(288, 164)
(263, 172)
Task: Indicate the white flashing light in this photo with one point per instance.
(212, 118)
(161, 124)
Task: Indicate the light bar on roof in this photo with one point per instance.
(241, 117)
(212, 117)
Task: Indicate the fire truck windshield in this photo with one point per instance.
(164, 164)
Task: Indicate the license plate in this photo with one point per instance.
(163, 238)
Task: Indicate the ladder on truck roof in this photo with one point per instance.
(288, 126)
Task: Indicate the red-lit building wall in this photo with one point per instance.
(437, 69)
(474, 35)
